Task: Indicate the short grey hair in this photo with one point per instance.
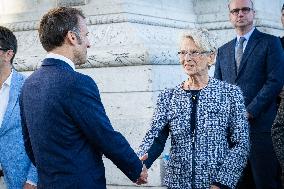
(202, 38)
(230, 1)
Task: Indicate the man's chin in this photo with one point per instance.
(81, 62)
(243, 25)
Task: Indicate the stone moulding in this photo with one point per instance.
(112, 18)
(140, 19)
(146, 20)
(22, 26)
(71, 2)
(26, 64)
(107, 59)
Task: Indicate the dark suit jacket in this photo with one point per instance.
(66, 130)
(260, 76)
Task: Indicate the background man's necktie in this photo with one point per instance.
(239, 52)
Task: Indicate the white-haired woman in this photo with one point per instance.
(206, 119)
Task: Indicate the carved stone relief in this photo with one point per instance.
(119, 44)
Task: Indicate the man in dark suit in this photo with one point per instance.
(255, 62)
(65, 127)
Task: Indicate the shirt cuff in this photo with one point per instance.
(31, 182)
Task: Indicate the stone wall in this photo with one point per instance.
(133, 55)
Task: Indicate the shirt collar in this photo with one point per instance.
(7, 82)
(247, 35)
(63, 58)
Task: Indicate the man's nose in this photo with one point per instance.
(88, 44)
(187, 57)
(241, 13)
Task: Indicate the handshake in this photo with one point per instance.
(144, 173)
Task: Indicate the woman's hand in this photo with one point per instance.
(214, 187)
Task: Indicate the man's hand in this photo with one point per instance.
(214, 187)
(29, 186)
(143, 176)
(144, 157)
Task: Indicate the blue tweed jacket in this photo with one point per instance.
(221, 136)
(15, 163)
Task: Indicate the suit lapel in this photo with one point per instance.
(231, 59)
(16, 83)
(249, 49)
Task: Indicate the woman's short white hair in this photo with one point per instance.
(202, 38)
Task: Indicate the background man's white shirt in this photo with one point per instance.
(4, 97)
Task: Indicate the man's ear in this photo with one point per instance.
(71, 37)
(253, 13)
(9, 55)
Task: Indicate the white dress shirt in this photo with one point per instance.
(246, 36)
(63, 58)
(4, 97)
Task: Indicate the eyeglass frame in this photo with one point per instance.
(244, 10)
(193, 54)
(4, 49)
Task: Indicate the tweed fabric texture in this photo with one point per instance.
(278, 134)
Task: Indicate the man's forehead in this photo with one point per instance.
(240, 3)
(83, 24)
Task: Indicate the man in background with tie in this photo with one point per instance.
(255, 62)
